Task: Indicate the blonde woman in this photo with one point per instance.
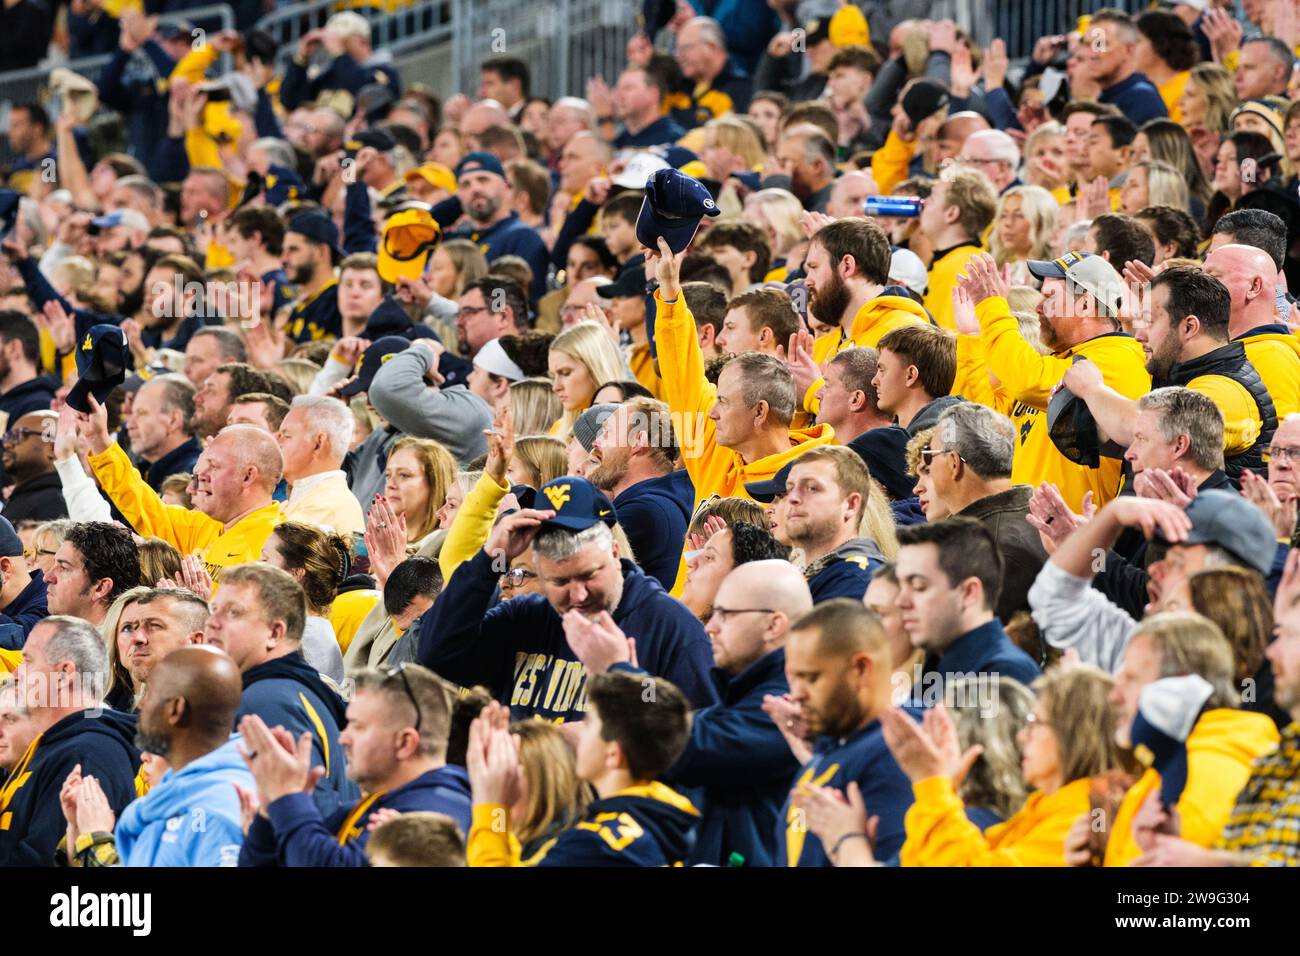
(731, 145)
(1153, 183)
(1045, 160)
(1023, 228)
(582, 358)
(534, 406)
(777, 212)
(537, 460)
(1207, 104)
(418, 473)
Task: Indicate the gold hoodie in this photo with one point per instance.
(876, 318)
(1275, 353)
(1220, 750)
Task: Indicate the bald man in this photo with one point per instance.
(479, 118)
(191, 816)
(233, 511)
(837, 660)
(849, 192)
(1251, 278)
(955, 131)
(735, 752)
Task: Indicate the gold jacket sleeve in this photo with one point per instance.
(490, 841)
(187, 531)
(472, 524)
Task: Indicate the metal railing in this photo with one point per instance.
(564, 43)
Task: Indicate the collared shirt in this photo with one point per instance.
(1265, 822)
(304, 485)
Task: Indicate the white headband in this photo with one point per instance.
(493, 358)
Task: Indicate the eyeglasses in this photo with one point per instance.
(972, 161)
(722, 613)
(35, 554)
(1282, 453)
(14, 435)
(400, 671)
(517, 578)
(466, 311)
(928, 455)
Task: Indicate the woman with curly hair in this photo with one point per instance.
(319, 561)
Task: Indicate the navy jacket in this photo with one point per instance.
(511, 237)
(985, 650)
(289, 692)
(343, 73)
(663, 130)
(837, 762)
(1136, 98)
(655, 514)
(845, 572)
(102, 741)
(180, 460)
(297, 835)
(33, 395)
(518, 651)
(318, 317)
(739, 758)
(651, 825)
(39, 499)
(25, 611)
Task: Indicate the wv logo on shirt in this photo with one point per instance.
(796, 830)
(544, 683)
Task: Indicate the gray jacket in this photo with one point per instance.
(369, 459)
(1070, 612)
(454, 416)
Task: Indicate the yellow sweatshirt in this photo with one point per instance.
(643, 369)
(349, 610)
(189, 532)
(889, 163)
(973, 382)
(1029, 378)
(690, 397)
(1276, 357)
(873, 321)
(943, 279)
(1172, 92)
(939, 834)
(473, 523)
(1220, 750)
(1241, 422)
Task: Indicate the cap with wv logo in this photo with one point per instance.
(673, 207)
(102, 361)
(577, 503)
(376, 354)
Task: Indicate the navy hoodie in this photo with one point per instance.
(389, 318)
(25, 611)
(31, 821)
(742, 762)
(296, 835)
(289, 692)
(34, 395)
(984, 650)
(651, 825)
(518, 651)
(655, 514)
(836, 762)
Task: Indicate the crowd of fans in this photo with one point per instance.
(829, 444)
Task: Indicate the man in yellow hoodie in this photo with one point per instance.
(1219, 741)
(739, 430)
(847, 269)
(1079, 318)
(961, 206)
(1251, 278)
(234, 512)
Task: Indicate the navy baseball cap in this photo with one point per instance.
(317, 227)
(282, 185)
(673, 206)
(11, 546)
(480, 162)
(378, 138)
(376, 354)
(102, 360)
(1228, 521)
(629, 284)
(578, 504)
(8, 211)
(767, 490)
(1168, 710)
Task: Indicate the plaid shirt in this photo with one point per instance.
(1265, 822)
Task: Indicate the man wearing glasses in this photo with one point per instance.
(396, 747)
(28, 458)
(735, 751)
(994, 154)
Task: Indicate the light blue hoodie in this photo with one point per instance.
(190, 818)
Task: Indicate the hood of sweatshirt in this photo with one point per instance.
(801, 440)
(881, 307)
(207, 782)
(662, 812)
(1273, 333)
(389, 318)
(929, 414)
(855, 548)
(295, 667)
